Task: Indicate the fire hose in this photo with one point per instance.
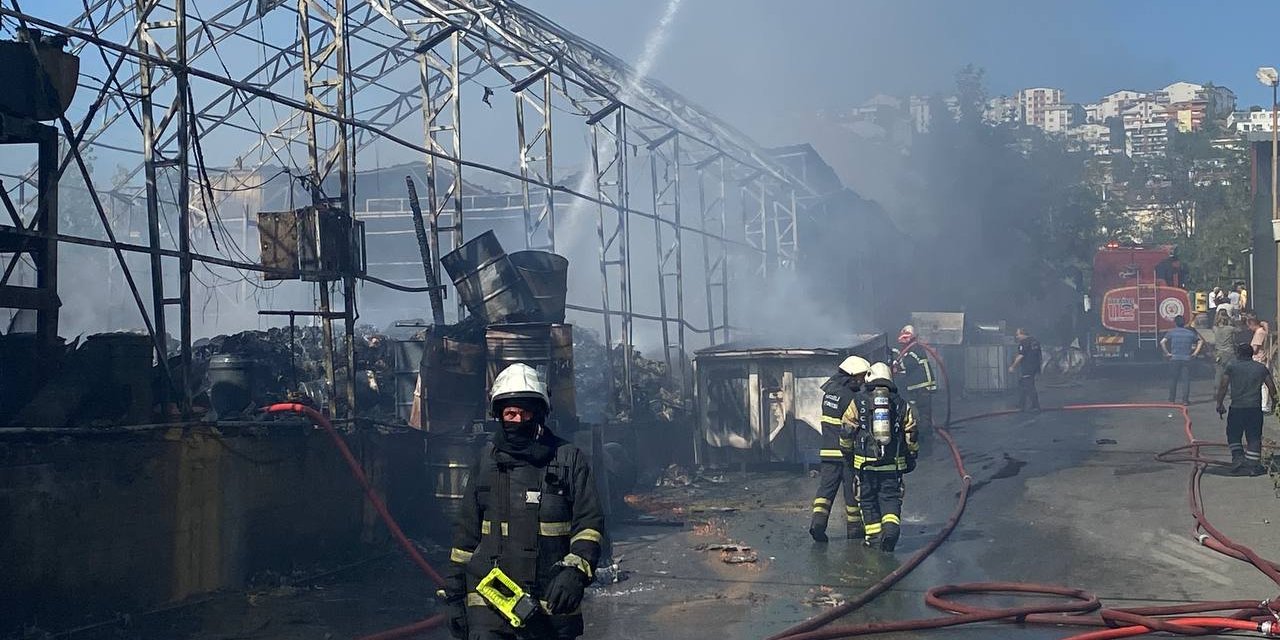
(379, 506)
(1080, 607)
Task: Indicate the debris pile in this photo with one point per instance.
(655, 393)
(289, 364)
(731, 553)
(825, 596)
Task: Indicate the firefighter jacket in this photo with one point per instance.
(531, 516)
(917, 370)
(837, 398)
(867, 453)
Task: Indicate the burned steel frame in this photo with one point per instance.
(43, 297)
(453, 42)
(442, 121)
(169, 162)
(711, 205)
(664, 172)
(540, 231)
(325, 64)
(609, 167)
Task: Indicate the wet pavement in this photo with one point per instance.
(1070, 499)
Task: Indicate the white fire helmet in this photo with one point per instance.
(853, 365)
(879, 372)
(518, 381)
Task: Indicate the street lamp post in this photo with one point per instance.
(1271, 77)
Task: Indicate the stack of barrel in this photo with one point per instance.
(517, 306)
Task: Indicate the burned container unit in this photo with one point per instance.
(758, 402)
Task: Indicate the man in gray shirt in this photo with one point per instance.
(1245, 378)
(1180, 346)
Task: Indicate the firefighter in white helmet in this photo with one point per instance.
(837, 396)
(530, 509)
(883, 447)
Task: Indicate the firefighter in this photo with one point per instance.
(883, 449)
(917, 376)
(837, 396)
(531, 510)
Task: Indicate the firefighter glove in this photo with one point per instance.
(911, 464)
(564, 594)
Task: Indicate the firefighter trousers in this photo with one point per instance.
(834, 474)
(880, 497)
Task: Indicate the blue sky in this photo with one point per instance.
(746, 58)
(759, 62)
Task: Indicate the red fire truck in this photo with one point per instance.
(1136, 292)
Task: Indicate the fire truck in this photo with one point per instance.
(1136, 292)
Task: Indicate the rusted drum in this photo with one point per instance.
(488, 284)
(548, 277)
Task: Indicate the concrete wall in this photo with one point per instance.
(105, 523)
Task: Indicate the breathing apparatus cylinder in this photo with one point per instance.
(881, 419)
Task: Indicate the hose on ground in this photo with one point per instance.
(1079, 608)
(374, 499)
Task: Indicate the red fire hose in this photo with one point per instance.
(381, 507)
(1081, 608)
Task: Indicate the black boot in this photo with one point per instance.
(1238, 465)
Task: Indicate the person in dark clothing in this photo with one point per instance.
(1245, 379)
(837, 397)
(917, 377)
(1026, 365)
(1181, 346)
(530, 509)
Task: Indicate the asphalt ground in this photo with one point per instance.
(1074, 499)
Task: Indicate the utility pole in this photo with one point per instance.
(1270, 77)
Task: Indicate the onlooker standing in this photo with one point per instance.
(1246, 379)
(1233, 299)
(1224, 341)
(1258, 337)
(1258, 340)
(1180, 345)
(1213, 299)
(1027, 366)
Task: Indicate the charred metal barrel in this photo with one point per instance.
(231, 384)
(545, 347)
(453, 380)
(406, 364)
(449, 459)
(488, 283)
(548, 277)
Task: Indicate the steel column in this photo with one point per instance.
(324, 77)
(539, 227)
(711, 204)
(609, 166)
(664, 172)
(162, 162)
